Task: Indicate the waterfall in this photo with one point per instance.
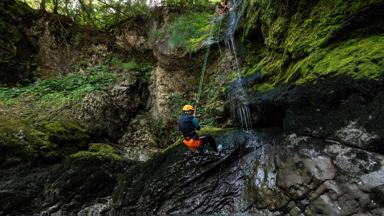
(238, 96)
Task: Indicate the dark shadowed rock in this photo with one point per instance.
(18, 52)
(340, 109)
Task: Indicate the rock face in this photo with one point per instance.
(140, 142)
(168, 88)
(258, 173)
(109, 113)
(41, 45)
(340, 109)
(18, 51)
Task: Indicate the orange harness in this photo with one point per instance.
(192, 144)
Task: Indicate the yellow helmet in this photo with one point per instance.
(188, 108)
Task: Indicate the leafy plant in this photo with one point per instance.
(190, 30)
(61, 90)
(132, 65)
(156, 35)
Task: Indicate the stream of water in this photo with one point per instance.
(238, 96)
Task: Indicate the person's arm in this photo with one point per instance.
(196, 123)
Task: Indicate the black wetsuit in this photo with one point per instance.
(188, 125)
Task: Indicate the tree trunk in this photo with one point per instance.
(55, 6)
(42, 5)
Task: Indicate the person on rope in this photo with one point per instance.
(223, 7)
(188, 125)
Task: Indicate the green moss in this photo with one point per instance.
(357, 58)
(46, 140)
(305, 28)
(61, 124)
(251, 17)
(99, 150)
(263, 87)
(67, 133)
(19, 140)
(213, 131)
(277, 32)
(101, 147)
(313, 26)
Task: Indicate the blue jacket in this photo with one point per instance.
(188, 125)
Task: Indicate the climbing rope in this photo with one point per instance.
(204, 68)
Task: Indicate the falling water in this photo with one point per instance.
(239, 104)
(237, 96)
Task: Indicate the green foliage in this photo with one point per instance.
(178, 100)
(131, 65)
(58, 92)
(103, 13)
(189, 3)
(212, 107)
(98, 13)
(143, 68)
(156, 35)
(190, 30)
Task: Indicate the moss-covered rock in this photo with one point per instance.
(357, 58)
(19, 142)
(47, 141)
(67, 133)
(316, 35)
(98, 150)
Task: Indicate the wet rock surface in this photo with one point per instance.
(261, 172)
(287, 175)
(78, 183)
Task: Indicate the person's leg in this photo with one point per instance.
(209, 139)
